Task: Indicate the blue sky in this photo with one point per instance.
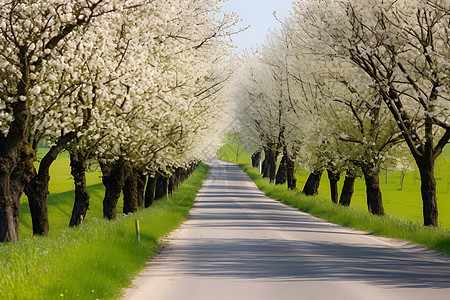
(259, 15)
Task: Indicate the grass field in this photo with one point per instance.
(405, 204)
(97, 260)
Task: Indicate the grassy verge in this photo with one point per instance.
(388, 226)
(97, 260)
(353, 217)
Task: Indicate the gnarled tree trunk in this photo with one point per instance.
(150, 191)
(114, 175)
(130, 192)
(290, 173)
(281, 176)
(312, 183)
(269, 164)
(37, 192)
(78, 167)
(334, 178)
(170, 184)
(347, 190)
(286, 171)
(428, 191)
(161, 186)
(10, 147)
(19, 178)
(374, 197)
(176, 178)
(37, 189)
(141, 181)
(255, 159)
(265, 165)
(273, 166)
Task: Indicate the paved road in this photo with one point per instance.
(239, 244)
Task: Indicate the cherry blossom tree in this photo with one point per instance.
(128, 81)
(168, 126)
(32, 32)
(403, 46)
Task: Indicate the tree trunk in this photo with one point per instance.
(192, 168)
(428, 190)
(312, 183)
(269, 164)
(11, 145)
(12, 188)
(78, 168)
(161, 186)
(334, 178)
(4, 225)
(273, 166)
(347, 190)
(290, 173)
(141, 180)
(9, 230)
(402, 178)
(374, 198)
(150, 191)
(255, 159)
(266, 164)
(176, 178)
(113, 178)
(130, 192)
(9, 216)
(37, 192)
(183, 174)
(170, 186)
(281, 176)
(37, 189)
(19, 178)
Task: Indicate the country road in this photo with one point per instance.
(239, 244)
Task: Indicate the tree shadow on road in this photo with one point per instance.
(282, 260)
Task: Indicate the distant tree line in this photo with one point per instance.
(349, 87)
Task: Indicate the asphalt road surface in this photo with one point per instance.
(239, 244)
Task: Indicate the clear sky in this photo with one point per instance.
(259, 15)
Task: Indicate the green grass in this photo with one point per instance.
(60, 206)
(395, 224)
(228, 153)
(97, 260)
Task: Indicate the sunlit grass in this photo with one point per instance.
(389, 225)
(60, 206)
(97, 260)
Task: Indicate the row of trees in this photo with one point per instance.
(348, 86)
(134, 85)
